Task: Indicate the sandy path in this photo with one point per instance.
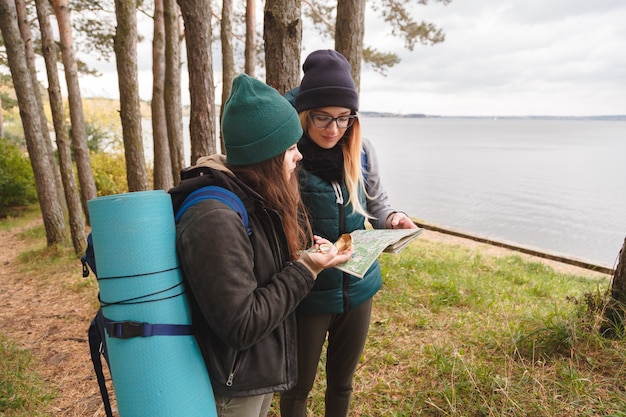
(51, 321)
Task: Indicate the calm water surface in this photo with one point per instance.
(555, 185)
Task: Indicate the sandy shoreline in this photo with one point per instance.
(502, 251)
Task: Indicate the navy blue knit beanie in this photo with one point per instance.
(327, 82)
(258, 123)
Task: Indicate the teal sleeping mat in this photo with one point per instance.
(140, 281)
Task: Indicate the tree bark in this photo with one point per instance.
(163, 179)
(615, 312)
(24, 25)
(250, 49)
(197, 17)
(72, 195)
(282, 32)
(79, 135)
(228, 58)
(51, 209)
(349, 32)
(172, 88)
(125, 46)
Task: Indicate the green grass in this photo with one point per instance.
(19, 216)
(454, 332)
(458, 333)
(21, 391)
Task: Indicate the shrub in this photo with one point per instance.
(109, 170)
(17, 182)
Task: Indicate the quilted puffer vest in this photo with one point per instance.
(334, 292)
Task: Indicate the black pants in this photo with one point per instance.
(346, 337)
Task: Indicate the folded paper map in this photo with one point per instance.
(370, 243)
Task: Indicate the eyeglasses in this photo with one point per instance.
(322, 121)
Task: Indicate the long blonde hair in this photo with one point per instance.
(351, 147)
(281, 194)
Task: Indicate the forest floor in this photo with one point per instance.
(49, 317)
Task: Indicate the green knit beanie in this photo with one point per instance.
(258, 123)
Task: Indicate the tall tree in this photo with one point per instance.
(125, 47)
(349, 32)
(282, 32)
(163, 179)
(197, 16)
(173, 95)
(228, 58)
(79, 135)
(24, 25)
(250, 49)
(51, 209)
(72, 195)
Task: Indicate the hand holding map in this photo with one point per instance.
(370, 243)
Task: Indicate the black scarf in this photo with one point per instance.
(325, 163)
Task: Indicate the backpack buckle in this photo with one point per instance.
(125, 329)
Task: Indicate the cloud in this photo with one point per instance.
(512, 57)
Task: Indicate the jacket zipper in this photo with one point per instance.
(231, 374)
(338, 193)
(341, 228)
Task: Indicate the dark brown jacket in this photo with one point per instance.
(243, 290)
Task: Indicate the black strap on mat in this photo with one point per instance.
(96, 350)
(123, 330)
(129, 329)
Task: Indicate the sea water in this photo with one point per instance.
(553, 185)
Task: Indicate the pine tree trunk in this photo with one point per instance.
(125, 47)
(163, 178)
(228, 58)
(24, 25)
(349, 32)
(49, 202)
(80, 150)
(250, 49)
(197, 16)
(282, 31)
(72, 195)
(172, 88)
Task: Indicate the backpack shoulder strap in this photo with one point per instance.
(216, 193)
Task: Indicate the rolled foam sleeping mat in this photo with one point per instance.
(139, 278)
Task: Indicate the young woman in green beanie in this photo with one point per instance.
(339, 197)
(244, 288)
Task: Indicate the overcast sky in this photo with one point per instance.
(500, 57)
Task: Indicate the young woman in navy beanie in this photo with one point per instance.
(244, 287)
(341, 189)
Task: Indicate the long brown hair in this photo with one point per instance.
(281, 194)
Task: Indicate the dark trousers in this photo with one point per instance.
(346, 337)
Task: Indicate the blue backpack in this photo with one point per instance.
(100, 324)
